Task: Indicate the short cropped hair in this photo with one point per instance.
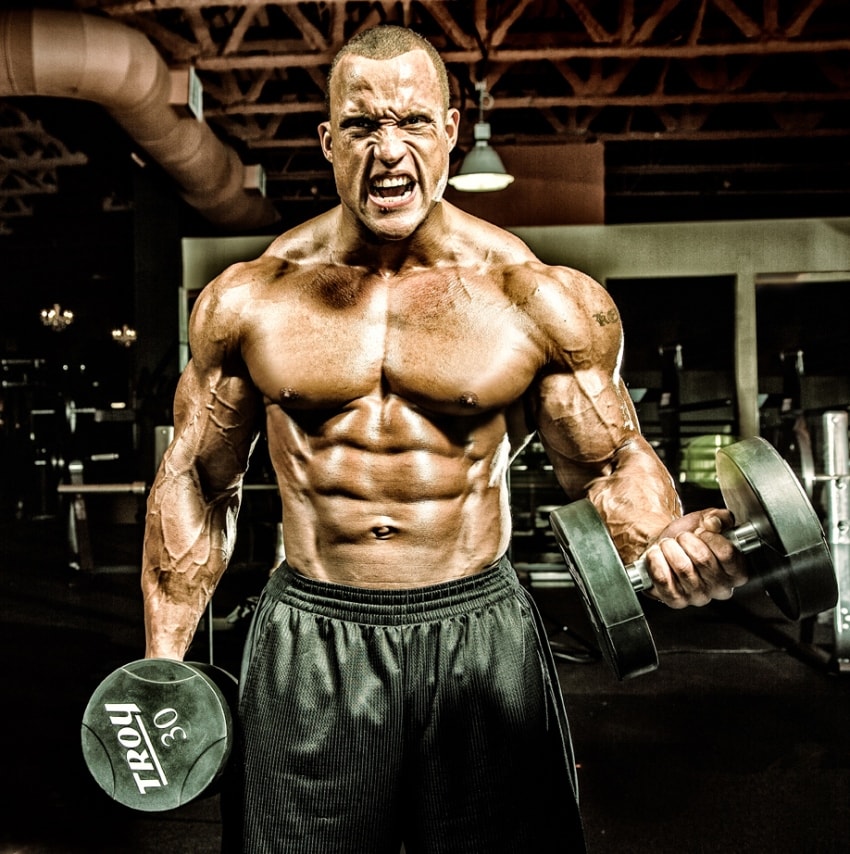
(388, 41)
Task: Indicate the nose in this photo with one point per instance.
(389, 145)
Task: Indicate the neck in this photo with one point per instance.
(428, 245)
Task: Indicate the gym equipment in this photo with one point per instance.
(776, 527)
(677, 411)
(157, 733)
(836, 501)
(79, 536)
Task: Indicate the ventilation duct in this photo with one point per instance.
(73, 55)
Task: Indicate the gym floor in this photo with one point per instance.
(739, 742)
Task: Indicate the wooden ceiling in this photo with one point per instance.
(697, 102)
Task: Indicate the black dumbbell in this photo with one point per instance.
(158, 733)
(776, 527)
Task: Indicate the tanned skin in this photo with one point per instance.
(399, 353)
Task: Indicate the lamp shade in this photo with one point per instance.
(482, 171)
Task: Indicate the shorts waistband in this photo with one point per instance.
(392, 607)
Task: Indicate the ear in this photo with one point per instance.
(452, 127)
(325, 140)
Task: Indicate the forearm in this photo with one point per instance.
(189, 540)
(592, 437)
(635, 496)
(623, 477)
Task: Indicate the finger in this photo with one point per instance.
(718, 516)
(666, 586)
(693, 565)
(707, 566)
(731, 566)
(700, 520)
(711, 524)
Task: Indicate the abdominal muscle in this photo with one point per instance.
(372, 514)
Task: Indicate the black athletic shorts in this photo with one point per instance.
(430, 718)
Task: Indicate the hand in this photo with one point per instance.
(691, 562)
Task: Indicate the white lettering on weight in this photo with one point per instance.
(132, 735)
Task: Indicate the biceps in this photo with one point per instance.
(584, 418)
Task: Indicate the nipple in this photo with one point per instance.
(288, 394)
(468, 399)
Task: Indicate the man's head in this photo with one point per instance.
(386, 42)
(389, 130)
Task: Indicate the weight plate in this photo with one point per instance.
(606, 591)
(157, 734)
(793, 561)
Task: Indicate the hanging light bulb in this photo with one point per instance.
(482, 170)
(57, 318)
(124, 336)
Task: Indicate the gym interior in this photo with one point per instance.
(735, 327)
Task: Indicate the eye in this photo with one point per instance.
(359, 123)
(414, 121)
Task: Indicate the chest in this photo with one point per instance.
(442, 341)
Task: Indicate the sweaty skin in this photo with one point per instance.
(399, 353)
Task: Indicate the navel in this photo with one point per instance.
(384, 532)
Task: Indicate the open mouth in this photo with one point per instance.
(392, 191)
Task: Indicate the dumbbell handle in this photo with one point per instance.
(744, 537)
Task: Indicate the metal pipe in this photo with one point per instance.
(136, 487)
(74, 55)
(836, 502)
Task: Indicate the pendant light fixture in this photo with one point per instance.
(482, 170)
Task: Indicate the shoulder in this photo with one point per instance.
(526, 277)
(307, 242)
(219, 306)
(477, 240)
(229, 298)
(574, 315)
(568, 311)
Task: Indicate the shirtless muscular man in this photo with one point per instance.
(398, 352)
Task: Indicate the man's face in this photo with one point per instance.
(389, 140)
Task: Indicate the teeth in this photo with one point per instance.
(387, 183)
